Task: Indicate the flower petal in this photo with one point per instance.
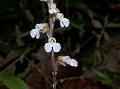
(37, 35)
(33, 33)
(48, 47)
(68, 61)
(65, 21)
(61, 24)
(56, 47)
(72, 62)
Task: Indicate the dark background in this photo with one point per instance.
(93, 39)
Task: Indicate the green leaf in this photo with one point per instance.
(78, 26)
(106, 21)
(12, 82)
(104, 78)
(114, 25)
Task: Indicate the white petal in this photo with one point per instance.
(48, 47)
(33, 33)
(68, 61)
(65, 21)
(74, 63)
(56, 47)
(37, 35)
(61, 24)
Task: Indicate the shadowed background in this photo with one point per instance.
(92, 39)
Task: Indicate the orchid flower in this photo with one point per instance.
(52, 45)
(63, 60)
(64, 22)
(35, 33)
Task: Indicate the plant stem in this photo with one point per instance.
(54, 71)
(52, 54)
(51, 24)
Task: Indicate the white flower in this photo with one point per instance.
(53, 9)
(52, 45)
(64, 22)
(63, 60)
(35, 33)
(56, 47)
(72, 62)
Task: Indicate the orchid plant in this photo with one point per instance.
(52, 46)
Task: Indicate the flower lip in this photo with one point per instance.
(56, 47)
(64, 22)
(52, 45)
(35, 33)
(72, 62)
(48, 47)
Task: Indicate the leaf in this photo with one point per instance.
(114, 25)
(106, 21)
(104, 78)
(12, 82)
(78, 26)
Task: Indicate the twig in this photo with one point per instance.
(20, 58)
(102, 31)
(46, 76)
